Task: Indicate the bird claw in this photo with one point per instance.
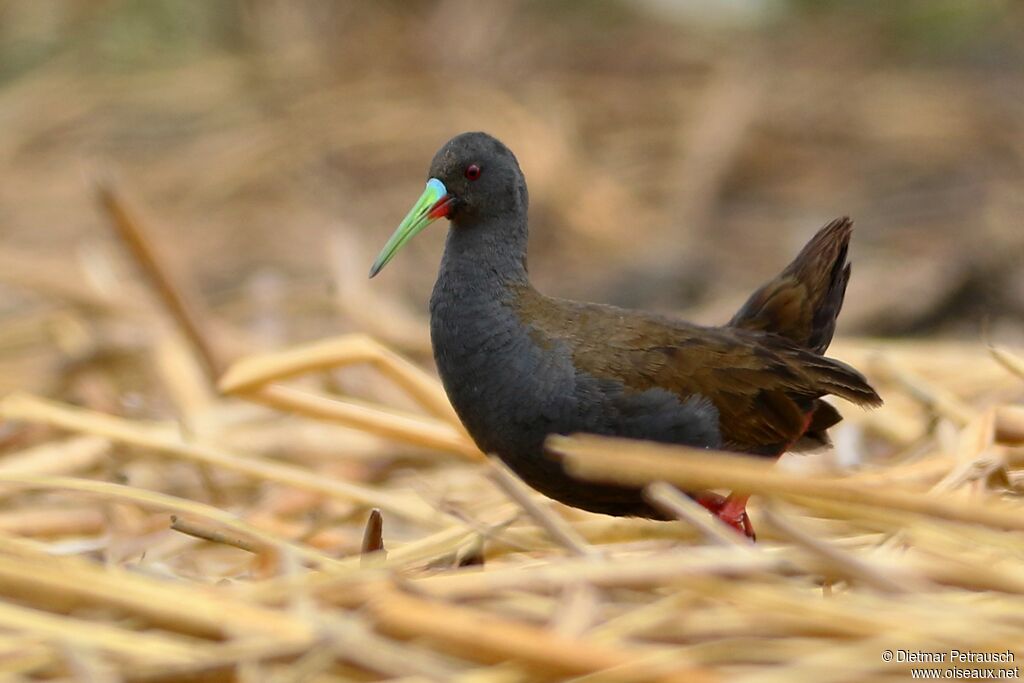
(731, 510)
(740, 522)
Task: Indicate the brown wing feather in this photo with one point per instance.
(763, 385)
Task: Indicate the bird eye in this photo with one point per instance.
(472, 172)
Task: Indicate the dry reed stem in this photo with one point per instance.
(974, 457)
(918, 473)
(601, 529)
(642, 617)
(636, 572)
(63, 521)
(183, 376)
(843, 662)
(615, 460)
(166, 503)
(354, 640)
(135, 647)
(548, 520)
(417, 430)
(1008, 359)
(58, 457)
(220, 662)
(423, 550)
(865, 614)
(183, 308)
(26, 655)
(486, 637)
(33, 409)
(205, 533)
(372, 548)
(62, 581)
(1010, 425)
(578, 610)
(21, 547)
(893, 428)
(939, 563)
(846, 564)
(253, 372)
(933, 398)
(49, 277)
(373, 535)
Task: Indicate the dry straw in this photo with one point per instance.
(279, 524)
(155, 551)
(921, 555)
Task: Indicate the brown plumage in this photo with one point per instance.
(803, 302)
(763, 372)
(519, 366)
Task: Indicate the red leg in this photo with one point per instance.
(731, 510)
(734, 513)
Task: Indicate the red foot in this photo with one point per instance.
(731, 510)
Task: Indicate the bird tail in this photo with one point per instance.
(801, 304)
(828, 376)
(803, 301)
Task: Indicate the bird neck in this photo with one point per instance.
(484, 352)
(484, 258)
(482, 274)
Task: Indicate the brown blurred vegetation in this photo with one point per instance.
(677, 153)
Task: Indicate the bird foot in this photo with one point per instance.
(740, 522)
(731, 510)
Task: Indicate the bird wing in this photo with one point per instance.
(764, 387)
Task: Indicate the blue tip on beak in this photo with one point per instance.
(434, 203)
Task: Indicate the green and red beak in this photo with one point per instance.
(434, 203)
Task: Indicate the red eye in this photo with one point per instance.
(472, 172)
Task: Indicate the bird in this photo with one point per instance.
(519, 366)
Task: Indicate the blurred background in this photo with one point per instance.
(679, 152)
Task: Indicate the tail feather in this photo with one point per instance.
(804, 300)
(838, 378)
(801, 305)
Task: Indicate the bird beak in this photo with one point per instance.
(434, 203)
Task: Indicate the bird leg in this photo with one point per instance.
(734, 513)
(732, 510)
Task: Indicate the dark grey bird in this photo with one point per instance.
(519, 366)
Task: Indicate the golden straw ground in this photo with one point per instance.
(927, 552)
(189, 495)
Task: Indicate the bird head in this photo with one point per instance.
(473, 178)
